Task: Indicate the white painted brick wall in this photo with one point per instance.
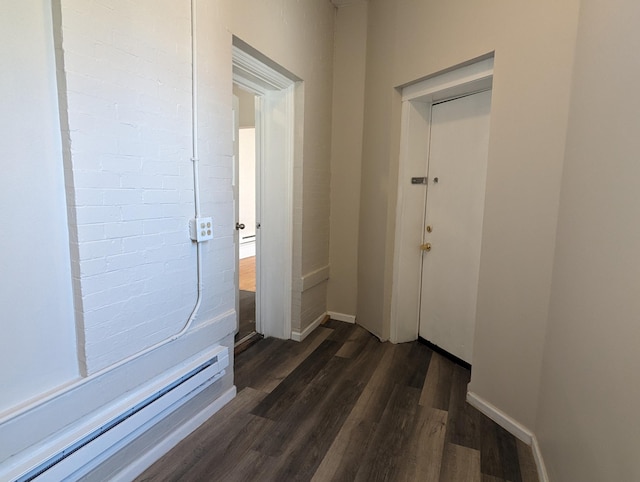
(128, 74)
(127, 68)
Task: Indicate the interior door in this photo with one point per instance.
(235, 182)
(453, 222)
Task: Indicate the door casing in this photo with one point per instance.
(274, 187)
(236, 210)
(417, 99)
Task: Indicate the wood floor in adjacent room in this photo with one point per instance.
(247, 274)
(342, 406)
(247, 295)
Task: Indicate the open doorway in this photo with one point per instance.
(273, 90)
(246, 218)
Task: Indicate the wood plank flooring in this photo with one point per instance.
(247, 274)
(341, 406)
(247, 315)
(247, 287)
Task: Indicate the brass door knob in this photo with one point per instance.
(425, 247)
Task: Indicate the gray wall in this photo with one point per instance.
(349, 66)
(534, 46)
(588, 423)
(299, 37)
(247, 107)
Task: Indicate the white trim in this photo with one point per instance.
(260, 122)
(235, 185)
(250, 72)
(314, 278)
(498, 416)
(513, 427)
(458, 79)
(417, 99)
(274, 98)
(147, 459)
(407, 277)
(342, 317)
(288, 236)
(540, 465)
(299, 336)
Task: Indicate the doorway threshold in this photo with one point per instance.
(246, 342)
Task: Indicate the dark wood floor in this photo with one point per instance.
(342, 406)
(247, 315)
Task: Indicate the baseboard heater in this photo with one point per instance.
(95, 446)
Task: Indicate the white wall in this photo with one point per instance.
(247, 183)
(104, 78)
(247, 166)
(128, 79)
(37, 344)
(126, 97)
(588, 423)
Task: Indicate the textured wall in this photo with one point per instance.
(128, 97)
(114, 101)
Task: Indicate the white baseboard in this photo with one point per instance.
(299, 336)
(513, 427)
(342, 317)
(537, 456)
(498, 416)
(147, 459)
(314, 278)
(246, 250)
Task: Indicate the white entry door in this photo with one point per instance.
(453, 222)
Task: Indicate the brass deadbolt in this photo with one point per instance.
(429, 229)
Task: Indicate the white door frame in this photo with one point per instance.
(414, 150)
(236, 208)
(274, 175)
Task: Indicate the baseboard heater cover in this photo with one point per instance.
(62, 464)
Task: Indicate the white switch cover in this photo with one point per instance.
(201, 229)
